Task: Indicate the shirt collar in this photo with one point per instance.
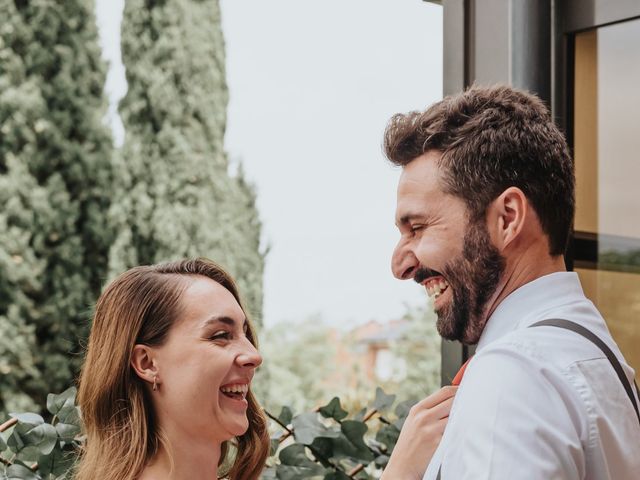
(525, 305)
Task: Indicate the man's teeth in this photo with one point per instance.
(239, 388)
(435, 287)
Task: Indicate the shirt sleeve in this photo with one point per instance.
(514, 418)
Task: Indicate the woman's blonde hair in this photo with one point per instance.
(139, 307)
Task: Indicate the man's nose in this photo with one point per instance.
(403, 261)
(249, 356)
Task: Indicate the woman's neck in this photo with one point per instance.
(192, 460)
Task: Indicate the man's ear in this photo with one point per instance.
(507, 217)
(144, 364)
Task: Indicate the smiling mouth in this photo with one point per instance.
(235, 392)
(435, 286)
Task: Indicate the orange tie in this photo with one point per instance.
(458, 378)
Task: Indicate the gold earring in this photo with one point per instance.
(155, 383)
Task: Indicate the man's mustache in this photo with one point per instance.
(422, 273)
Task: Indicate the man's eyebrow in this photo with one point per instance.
(223, 319)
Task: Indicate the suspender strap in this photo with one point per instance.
(589, 335)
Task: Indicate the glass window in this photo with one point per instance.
(606, 133)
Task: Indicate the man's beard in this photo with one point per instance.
(473, 278)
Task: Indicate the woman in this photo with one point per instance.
(165, 387)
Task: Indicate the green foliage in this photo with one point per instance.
(331, 444)
(55, 172)
(32, 449)
(175, 196)
(328, 443)
(621, 261)
(295, 349)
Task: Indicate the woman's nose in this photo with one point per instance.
(249, 357)
(403, 261)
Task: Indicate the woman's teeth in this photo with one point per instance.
(235, 390)
(436, 287)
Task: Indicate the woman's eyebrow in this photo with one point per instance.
(222, 319)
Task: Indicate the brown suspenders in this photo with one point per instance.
(589, 335)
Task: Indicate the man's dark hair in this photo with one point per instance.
(493, 138)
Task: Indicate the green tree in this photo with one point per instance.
(174, 195)
(55, 169)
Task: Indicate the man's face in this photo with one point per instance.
(455, 260)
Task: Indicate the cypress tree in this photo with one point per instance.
(55, 172)
(174, 195)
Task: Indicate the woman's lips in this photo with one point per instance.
(236, 392)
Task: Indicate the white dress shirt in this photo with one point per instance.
(541, 403)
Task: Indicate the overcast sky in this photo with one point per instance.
(312, 85)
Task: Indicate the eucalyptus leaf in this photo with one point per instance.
(355, 431)
(295, 454)
(388, 435)
(402, 410)
(21, 472)
(65, 400)
(360, 415)
(56, 463)
(15, 443)
(323, 449)
(381, 461)
(268, 473)
(333, 410)
(67, 431)
(286, 415)
(69, 414)
(273, 448)
(351, 442)
(337, 476)
(307, 427)
(312, 472)
(3, 444)
(343, 448)
(28, 418)
(40, 437)
(383, 401)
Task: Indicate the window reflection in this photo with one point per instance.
(607, 154)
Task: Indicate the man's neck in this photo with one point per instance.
(522, 270)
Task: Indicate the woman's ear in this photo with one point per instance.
(508, 216)
(144, 364)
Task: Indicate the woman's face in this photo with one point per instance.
(206, 365)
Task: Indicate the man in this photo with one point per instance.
(485, 208)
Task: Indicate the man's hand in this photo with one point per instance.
(420, 436)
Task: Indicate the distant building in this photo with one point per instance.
(375, 341)
(365, 354)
